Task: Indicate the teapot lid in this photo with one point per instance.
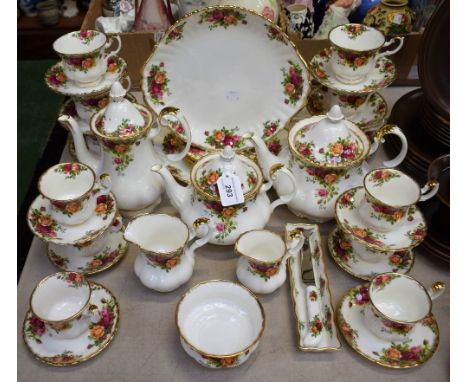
(209, 169)
(121, 118)
(329, 141)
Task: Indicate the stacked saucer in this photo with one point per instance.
(86, 73)
(76, 216)
(351, 73)
(379, 224)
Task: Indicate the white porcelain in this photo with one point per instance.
(418, 347)
(355, 50)
(220, 323)
(266, 8)
(166, 260)
(61, 301)
(397, 303)
(262, 263)
(363, 262)
(201, 197)
(326, 156)
(93, 339)
(297, 16)
(214, 93)
(390, 196)
(313, 306)
(125, 131)
(84, 59)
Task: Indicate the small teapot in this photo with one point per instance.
(327, 156)
(201, 197)
(125, 131)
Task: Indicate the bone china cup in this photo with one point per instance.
(62, 302)
(220, 323)
(83, 55)
(390, 198)
(398, 302)
(355, 50)
(68, 187)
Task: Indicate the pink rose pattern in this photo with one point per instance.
(175, 34)
(43, 225)
(71, 170)
(55, 77)
(222, 18)
(293, 83)
(224, 137)
(275, 34)
(85, 36)
(157, 83)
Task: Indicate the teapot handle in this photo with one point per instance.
(283, 199)
(379, 138)
(184, 125)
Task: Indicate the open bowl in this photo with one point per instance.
(220, 323)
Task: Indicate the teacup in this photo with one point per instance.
(390, 198)
(69, 188)
(83, 55)
(62, 302)
(262, 265)
(355, 50)
(397, 303)
(166, 260)
(220, 323)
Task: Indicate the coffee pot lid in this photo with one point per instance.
(210, 168)
(329, 141)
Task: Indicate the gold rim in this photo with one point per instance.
(99, 350)
(293, 297)
(335, 258)
(360, 135)
(172, 253)
(370, 51)
(370, 245)
(219, 356)
(120, 256)
(232, 7)
(340, 320)
(383, 315)
(73, 316)
(78, 198)
(95, 50)
(237, 251)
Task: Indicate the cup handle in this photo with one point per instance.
(129, 83)
(93, 312)
(117, 223)
(437, 166)
(273, 175)
(379, 138)
(437, 289)
(393, 51)
(204, 231)
(105, 182)
(294, 242)
(164, 121)
(109, 43)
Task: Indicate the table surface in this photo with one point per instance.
(147, 345)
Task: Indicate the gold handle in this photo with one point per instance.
(199, 222)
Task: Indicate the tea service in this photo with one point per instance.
(166, 260)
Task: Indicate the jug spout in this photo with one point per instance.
(82, 151)
(265, 157)
(178, 195)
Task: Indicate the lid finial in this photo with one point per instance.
(335, 114)
(117, 92)
(227, 154)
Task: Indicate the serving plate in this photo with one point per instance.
(229, 71)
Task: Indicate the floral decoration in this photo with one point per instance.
(313, 296)
(122, 155)
(270, 128)
(157, 83)
(274, 145)
(85, 36)
(95, 104)
(351, 100)
(347, 199)
(83, 63)
(35, 328)
(275, 34)
(224, 137)
(343, 248)
(173, 143)
(99, 332)
(176, 33)
(66, 357)
(379, 177)
(315, 326)
(68, 209)
(353, 60)
(395, 327)
(400, 260)
(322, 284)
(366, 234)
(73, 279)
(358, 296)
(58, 260)
(418, 234)
(55, 76)
(43, 224)
(263, 270)
(353, 30)
(105, 206)
(344, 149)
(222, 362)
(403, 354)
(71, 170)
(292, 83)
(163, 262)
(430, 322)
(328, 180)
(269, 13)
(222, 18)
(348, 332)
(383, 212)
(114, 64)
(328, 319)
(208, 181)
(381, 281)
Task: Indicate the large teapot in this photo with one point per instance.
(327, 155)
(201, 198)
(125, 131)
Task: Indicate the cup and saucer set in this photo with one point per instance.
(350, 74)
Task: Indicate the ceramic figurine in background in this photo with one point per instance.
(70, 9)
(336, 14)
(49, 12)
(153, 15)
(266, 8)
(391, 17)
(358, 15)
(300, 20)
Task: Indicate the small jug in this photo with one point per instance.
(165, 260)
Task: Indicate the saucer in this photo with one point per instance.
(49, 230)
(115, 250)
(368, 117)
(401, 261)
(56, 80)
(406, 236)
(380, 77)
(66, 352)
(417, 349)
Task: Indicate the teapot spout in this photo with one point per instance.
(265, 157)
(82, 151)
(178, 194)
